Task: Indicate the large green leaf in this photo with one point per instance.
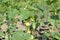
(19, 35)
(12, 13)
(24, 14)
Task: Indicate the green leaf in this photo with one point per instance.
(2, 8)
(12, 28)
(6, 36)
(56, 35)
(12, 13)
(1, 34)
(24, 14)
(34, 25)
(47, 34)
(19, 35)
(5, 1)
(51, 21)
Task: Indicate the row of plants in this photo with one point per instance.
(29, 19)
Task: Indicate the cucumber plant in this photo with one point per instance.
(29, 19)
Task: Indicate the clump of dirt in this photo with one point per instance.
(4, 27)
(20, 26)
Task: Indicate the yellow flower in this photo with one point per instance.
(32, 37)
(27, 23)
(28, 31)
